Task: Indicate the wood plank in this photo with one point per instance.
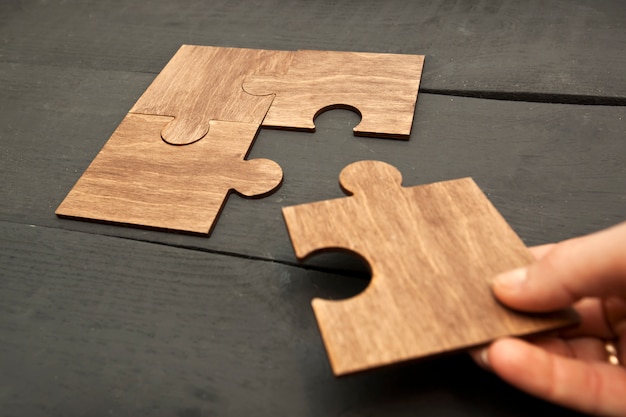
(567, 50)
(553, 171)
(432, 250)
(93, 325)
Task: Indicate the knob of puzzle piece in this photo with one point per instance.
(184, 131)
(366, 177)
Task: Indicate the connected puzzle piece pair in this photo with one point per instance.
(207, 106)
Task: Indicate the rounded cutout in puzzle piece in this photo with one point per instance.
(382, 88)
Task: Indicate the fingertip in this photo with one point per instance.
(501, 353)
(511, 281)
(481, 357)
(511, 287)
(523, 289)
(510, 358)
(508, 350)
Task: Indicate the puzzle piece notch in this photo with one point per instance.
(139, 179)
(432, 250)
(382, 88)
(201, 84)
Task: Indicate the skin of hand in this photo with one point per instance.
(570, 368)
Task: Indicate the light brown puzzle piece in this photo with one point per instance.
(139, 179)
(382, 87)
(201, 84)
(432, 250)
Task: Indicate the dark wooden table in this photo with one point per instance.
(526, 97)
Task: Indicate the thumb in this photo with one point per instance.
(589, 266)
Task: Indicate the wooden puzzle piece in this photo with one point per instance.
(432, 250)
(381, 87)
(201, 84)
(139, 179)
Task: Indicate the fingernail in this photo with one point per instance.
(484, 358)
(512, 279)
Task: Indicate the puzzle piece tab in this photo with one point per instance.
(201, 84)
(381, 87)
(139, 179)
(432, 250)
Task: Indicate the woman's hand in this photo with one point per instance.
(582, 368)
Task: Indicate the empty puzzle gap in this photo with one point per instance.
(339, 109)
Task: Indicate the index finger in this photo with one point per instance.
(590, 266)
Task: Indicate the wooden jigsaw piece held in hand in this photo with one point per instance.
(432, 250)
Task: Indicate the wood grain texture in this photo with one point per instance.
(139, 179)
(381, 87)
(432, 250)
(202, 83)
